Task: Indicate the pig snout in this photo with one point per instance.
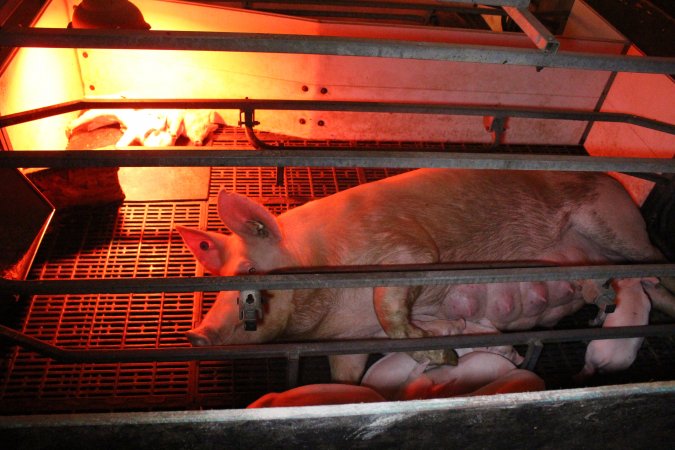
(221, 325)
(199, 337)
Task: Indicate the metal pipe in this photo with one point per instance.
(533, 28)
(418, 5)
(534, 349)
(328, 45)
(371, 16)
(347, 277)
(516, 3)
(302, 349)
(315, 157)
(250, 105)
(364, 6)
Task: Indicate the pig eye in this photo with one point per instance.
(251, 270)
(204, 245)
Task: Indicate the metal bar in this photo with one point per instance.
(250, 105)
(7, 9)
(314, 157)
(515, 3)
(534, 349)
(302, 349)
(475, 8)
(534, 29)
(328, 45)
(260, 5)
(293, 370)
(316, 13)
(348, 277)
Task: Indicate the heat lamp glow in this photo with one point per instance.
(87, 73)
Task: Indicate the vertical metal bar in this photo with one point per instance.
(534, 349)
(601, 100)
(293, 369)
(534, 29)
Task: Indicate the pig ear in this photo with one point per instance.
(247, 218)
(208, 247)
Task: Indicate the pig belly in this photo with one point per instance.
(513, 306)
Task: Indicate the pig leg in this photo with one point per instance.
(347, 368)
(632, 308)
(392, 306)
(662, 299)
(613, 225)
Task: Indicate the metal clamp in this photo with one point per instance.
(606, 303)
(496, 125)
(250, 309)
(249, 122)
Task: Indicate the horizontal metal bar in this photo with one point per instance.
(474, 8)
(365, 6)
(417, 19)
(516, 3)
(349, 277)
(341, 106)
(328, 45)
(314, 157)
(534, 29)
(301, 349)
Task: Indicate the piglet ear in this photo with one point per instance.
(208, 247)
(247, 218)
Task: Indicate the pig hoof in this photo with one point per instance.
(436, 357)
(451, 357)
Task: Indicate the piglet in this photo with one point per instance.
(632, 309)
(318, 394)
(398, 376)
(199, 124)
